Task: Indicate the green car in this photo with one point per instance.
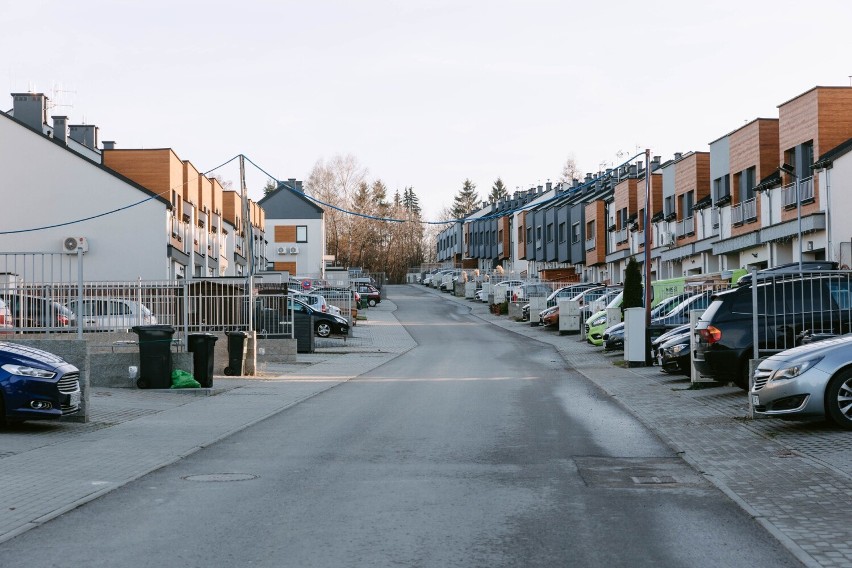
(597, 323)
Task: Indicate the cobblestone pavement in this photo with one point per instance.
(795, 478)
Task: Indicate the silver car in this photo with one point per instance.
(810, 381)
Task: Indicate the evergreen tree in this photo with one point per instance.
(465, 201)
(269, 187)
(633, 292)
(410, 200)
(498, 191)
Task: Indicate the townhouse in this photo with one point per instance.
(295, 226)
(713, 211)
(136, 213)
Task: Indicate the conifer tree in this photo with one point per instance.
(466, 200)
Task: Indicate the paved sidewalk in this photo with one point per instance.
(49, 468)
(794, 478)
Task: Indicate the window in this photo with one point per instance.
(550, 232)
(669, 207)
(538, 237)
(722, 187)
(520, 234)
(562, 232)
(529, 235)
(747, 183)
(301, 233)
(590, 230)
(575, 233)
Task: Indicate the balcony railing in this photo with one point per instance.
(737, 214)
(750, 209)
(806, 191)
(621, 236)
(686, 227)
(590, 243)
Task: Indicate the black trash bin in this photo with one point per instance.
(202, 347)
(303, 330)
(237, 348)
(155, 356)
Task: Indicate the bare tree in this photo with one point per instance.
(570, 171)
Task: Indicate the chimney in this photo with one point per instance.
(549, 186)
(655, 163)
(109, 145)
(31, 109)
(60, 128)
(678, 156)
(631, 172)
(297, 185)
(588, 177)
(85, 134)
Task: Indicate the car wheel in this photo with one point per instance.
(742, 378)
(371, 303)
(323, 329)
(838, 399)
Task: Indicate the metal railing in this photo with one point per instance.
(786, 308)
(806, 191)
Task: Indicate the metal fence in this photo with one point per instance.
(787, 310)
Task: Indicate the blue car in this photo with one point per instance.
(36, 385)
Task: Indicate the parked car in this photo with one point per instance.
(343, 298)
(502, 288)
(35, 313)
(325, 324)
(596, 323)
(657, 342)
(673, 355)
(36, 384)
(679, 314)
(790, 268)
(613, 338)
(317, 302)
(570, 291)
(109, 314)
(809, 381)
(787, 305)
(585, 297)
(614, 335)
(370, 292)
(6, 320)
(524, 292)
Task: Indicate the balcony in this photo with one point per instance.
(686, 227)
(806, 192)
(621, 236)
(590, 244)
(750, 210)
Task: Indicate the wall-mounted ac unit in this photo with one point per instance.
(294, 250)
(71, 245)
(282, 250)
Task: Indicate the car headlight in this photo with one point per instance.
(341, 320)
(600, 320)
(793, 369)
(678, 349)
(23, 371)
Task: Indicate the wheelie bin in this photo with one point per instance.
(155, 356)
(237, 348)
(202, 347)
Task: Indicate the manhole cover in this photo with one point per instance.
(220, 477)
(637, 473)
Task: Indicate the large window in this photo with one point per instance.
(301, 233)
(562, 232)
(575, 233)
(550, 232)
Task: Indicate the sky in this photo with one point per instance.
(422, 93)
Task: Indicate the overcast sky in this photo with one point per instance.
(423, 93)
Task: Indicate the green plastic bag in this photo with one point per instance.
(183, 380)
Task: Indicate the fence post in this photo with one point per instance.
(79, 313)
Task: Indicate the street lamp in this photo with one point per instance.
(790, 170)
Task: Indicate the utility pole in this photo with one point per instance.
(647, 226)
(247, 247)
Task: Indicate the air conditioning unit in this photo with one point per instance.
(294, 250)
(282, 250)
(71, 245)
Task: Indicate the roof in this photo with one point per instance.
(827, 159)
(287, 202)
(113, 173)
(770, 181)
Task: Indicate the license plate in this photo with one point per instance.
(75, 399)
(755, 400)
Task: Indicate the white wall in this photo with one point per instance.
(839, 188)
(45, 184)
(309, 259)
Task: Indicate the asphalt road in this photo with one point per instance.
(477, 448)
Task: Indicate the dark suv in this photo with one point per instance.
(788, 306)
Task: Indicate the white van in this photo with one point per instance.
(110, 314)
